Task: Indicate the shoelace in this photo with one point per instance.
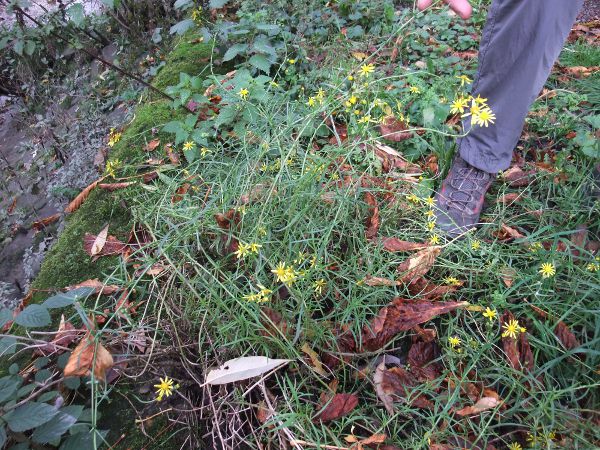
(469, 180)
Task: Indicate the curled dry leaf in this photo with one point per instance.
(39, 225)
(172, 154)
(151, 146)
(112, 246)
(396, 384)
(180, 192)
(274, 324)
(378, 281)
(65, 334)
(517, 177)
(425, 289)
(483, 404)
(421, 356)
(392, 244)
(314, 359)
(372, 223)
(98, 286)
(391, 159)
(518, 351)
(393, 129)
(419, 264)
(89, 357)
(243, 368)
(81, 197)
(561, 331)
(338, 406)
(506, 233)
(400, 315)
(508, 275)
(370, 441)
(115, 186)
(510, 198)
(99, 242)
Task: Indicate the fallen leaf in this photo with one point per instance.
(180, 192)
(483, 404)
(12, 206)
(151, 146)
(88, 357)
(425, 289)
(361, 443)
(393, 129)
(81, 197)
(148, 177)
(314, 359)
(338, 406)
(98, 286)
(393, 159)
(421, 356)
(65, 334)
(372, 223)
(517, 177)
(506, 233)
(508, 275)
(378, 281)
(243, 368)
(566, 336)
(392, 244)
(38, 225)
(263, 413)
(274, 325)
(115, 186)
(419, 264)
(112, 246)
(518, 351)
(396, 383)
(360, 55)
(172, 154)
(580, 71)
(510, 198)
(99, 242)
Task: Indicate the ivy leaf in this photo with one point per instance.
(261, 62)
(67, 298)
(181, 27)
(234, 50)
(33, 316)
(58, 425)
(76, 13)
(29, 415)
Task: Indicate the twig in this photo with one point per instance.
(153, 416)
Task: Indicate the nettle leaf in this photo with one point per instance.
(226, 115)
(8, 387)
(272, 30)
(234, 50)
(58, 425)
(6, 316)
(29, 415)
(191, 155)
(67, 298)
(181, 27)
(76, 13)
(33, 316)
(216, 4)
(261, 62)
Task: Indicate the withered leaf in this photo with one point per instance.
(419, 264)
(65, 334)
(483, 404)
(112, 246)
(39, 225)
(180, 192)
(421, 356)
(340, 405)
(372, 223)
(151, 146)
(506, 233)
(99, 242)
(392, 244)
(425, 289)
(81, 197)
(393, 129)
(378, 281)
(518, 351)
(391, 159)
(510, 198)
(314, 359)
(115, 186)
(566, 336)
(396, 383)
(98, 286)
(517, 177)
(88, 357)
(273, 324)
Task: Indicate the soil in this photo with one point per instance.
(590, 11)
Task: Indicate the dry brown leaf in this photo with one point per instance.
(506, 233)
(378, 281)
(419, 264)
(115, 186)
(88, 357)
(425, 289)
(38, 225)
(65, 334)
(361, 443)
(98, 286)
(421, 356)
(99, 242)
(396, 384)
(112, 246)
(340, 405)
(360, 55)
(12, 206)
(314, 359)
(510, 198)
(392, 244)
(508, 275)
(263, 413)
(580, 71)
(172, 154)
(372, 223)
(391, 159)
(81, 197)
(517, 177)
(393, 129)
(483, 404)
(518, 351)
(274, 325)
(151, 146)
(180, 192)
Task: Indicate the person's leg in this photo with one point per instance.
(521, 41)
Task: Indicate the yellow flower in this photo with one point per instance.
(535, 247)
(165, 388)
(350, 78)
(243, 93)
(412, 198)
(292, 61)
(320, 95)
(274, 84)
(365, 119)
(301, 258)
(452, 281)
(464, 79)
(366, 69)
(593, 267)
(429, 201)
(415, 90)
(480, 100)
(188, 145)
(204, 151)
(242, 250)
(311, 101)
(262, 231)
(458, 105)
(435, 240)
(485, 117)
(319, 285)
(431, 225)
(290, 275)
(454, 341)
(112, 166)
(113, 137)
(490, 313)
(547, 270)
(512, 329)
(353, 99)
(280, 271)
(430, 214)
(475, 245)
(514, 446)
(254, 247)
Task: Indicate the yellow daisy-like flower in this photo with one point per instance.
(292, 61)
(353, 99)
(480, 100)
(593, 267)
(188, 145)
(514, 446)
(311, 101)
(112, 166)
(464, 79)
(547, 270)
(490, 313)
(274, 84)
(430, 214)
(475, 245)
(320, 95)
(113, 137)
(254, 247)
(458, 105)
(366, 69)
(485, 117)
(533, 248)
(412, 198)
(435, 240)
(319, 285)
(165, 388)
(454, 341)
(414, 90)
(429, 201)
(350, 78)
(431, 225)
(290, 275)
(280, 271)
(452, 281)
(242, 250)
(512, 329)
(365, 119)
(204, 151)
(243, 93)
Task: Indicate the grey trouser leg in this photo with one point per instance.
(521, 41)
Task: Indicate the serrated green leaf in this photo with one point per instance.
(58, 425)
(233, 51)
(33, 316)
(18, 47)
(29, 415)
(8, 345)
(261, 62)
(8, 387)
(67, 298)
(181, 27)
(226, 116)
(76, 13)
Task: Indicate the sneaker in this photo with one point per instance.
(459, 203)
